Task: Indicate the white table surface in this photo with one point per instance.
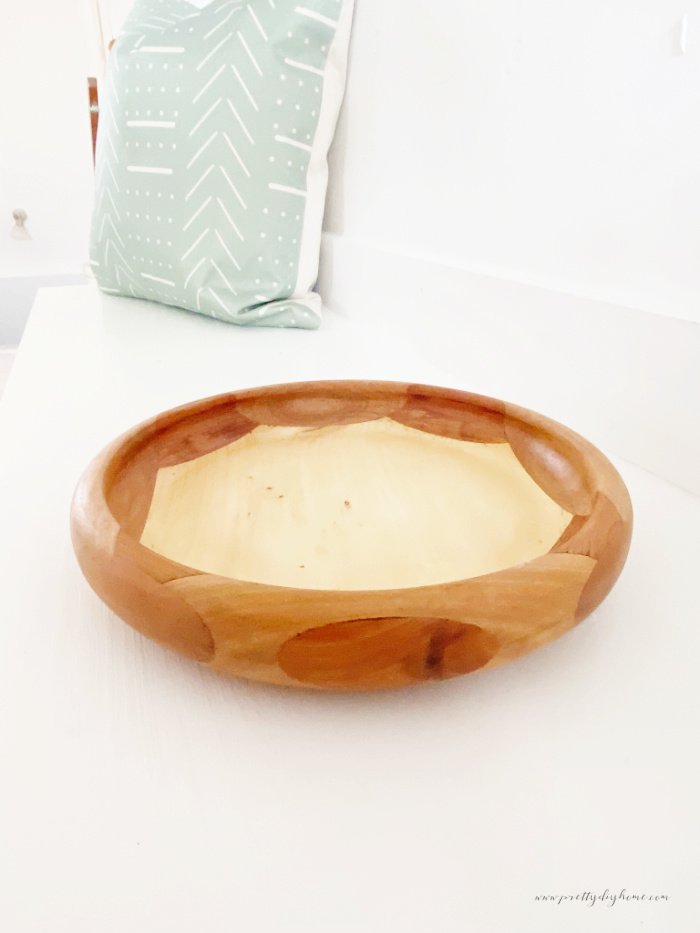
(140, 792)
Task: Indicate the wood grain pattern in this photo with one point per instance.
(448, 414)
(383, 651)
(94, 105)
(340, 639)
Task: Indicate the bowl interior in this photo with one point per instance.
(358, 506)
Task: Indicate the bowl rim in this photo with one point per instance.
(112, 459)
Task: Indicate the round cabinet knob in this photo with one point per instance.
(19, 231)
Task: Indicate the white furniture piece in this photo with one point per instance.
(143, 793)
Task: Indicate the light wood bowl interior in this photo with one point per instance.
(375, 505)
(351, 535)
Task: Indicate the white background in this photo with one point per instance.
(553, 143)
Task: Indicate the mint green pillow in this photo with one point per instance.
(212, 155)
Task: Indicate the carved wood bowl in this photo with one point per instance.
(351, 535)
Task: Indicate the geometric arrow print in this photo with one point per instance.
(209, 184)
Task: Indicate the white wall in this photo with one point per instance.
(627, 379)
(45, 148)
(546, 142)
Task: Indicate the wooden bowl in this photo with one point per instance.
(351, 535)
